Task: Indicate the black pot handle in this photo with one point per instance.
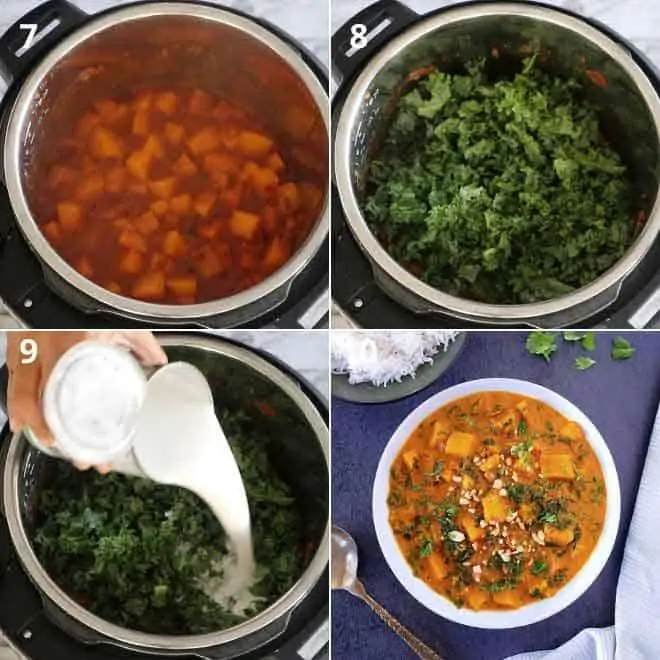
(4, 387)
(13, 40)
(346, 59)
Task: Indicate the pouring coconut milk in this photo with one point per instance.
(101, 408)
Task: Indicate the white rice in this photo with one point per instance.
(382, 357)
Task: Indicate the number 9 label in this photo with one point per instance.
(29, 351)
(359, 36)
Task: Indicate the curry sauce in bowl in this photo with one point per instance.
(496, 503)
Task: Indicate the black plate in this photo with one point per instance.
(426, 374)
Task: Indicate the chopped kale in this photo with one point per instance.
(132, 551)
(500, 190)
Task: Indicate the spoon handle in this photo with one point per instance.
(416, 644)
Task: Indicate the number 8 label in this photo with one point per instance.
(359, 36)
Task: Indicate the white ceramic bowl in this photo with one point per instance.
(537, 611)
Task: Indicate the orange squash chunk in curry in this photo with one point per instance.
(496, 500)
(175, 195)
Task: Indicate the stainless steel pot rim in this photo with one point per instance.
(283, 607)
(19, 115)
(348, 114)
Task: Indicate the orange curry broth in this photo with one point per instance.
(174, 195)
(496, 500)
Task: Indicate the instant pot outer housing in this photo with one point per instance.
(244, 59)
(373, 79)
(294, 418)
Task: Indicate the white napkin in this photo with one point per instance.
(636, 633)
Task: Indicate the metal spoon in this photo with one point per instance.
(343, 567)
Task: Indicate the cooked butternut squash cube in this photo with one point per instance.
(166, 102)
(264, 180)
(495, 507)
(210, 231)
(470, 526)
(231, 197)
(130, 239)
(490, 463)
(220, 162)
(174, 244)
(138, 187)
(69, 214)
(477, 599)
(556, 536)
(274, 162)
(276, 254)
(410, 458)
(527, 513)
(115, 179)
(147, 223)
(208, 264)
(143, 101)
(204, 203)
(437, 567)
(205, 141)
(253, 145)
(86, 123)
(131, 262)
(183, 166)
(507, 598)
(53, 231)
(60, 176)
(467, 482)
(139, 164)
(523, 407)
(288, 198)
(558, 467)
(90, 186)
(84, 267)
(150, 286)
(181, 204)
(141, 122)
(174, 133)
(244, 224)
(183, 285)
(461, 444)
(311, 196)
(440, 430)
(110, 111)
(103, 143)
(572, 431)
(200, 103)
(160, 207)
(163, 188)
(507, 421)
(153, 146)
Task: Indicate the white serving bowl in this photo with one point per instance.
(537, 611)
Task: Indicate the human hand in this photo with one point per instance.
(27, 381)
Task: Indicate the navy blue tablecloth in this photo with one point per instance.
(621, 398)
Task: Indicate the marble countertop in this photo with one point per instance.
(306, 20)
(306, 352)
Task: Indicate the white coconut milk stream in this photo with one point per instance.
(179, 441)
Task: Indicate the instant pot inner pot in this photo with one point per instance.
(293, 448)
(625, 119)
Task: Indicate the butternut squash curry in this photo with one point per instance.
(175, 195)
(496, 500)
